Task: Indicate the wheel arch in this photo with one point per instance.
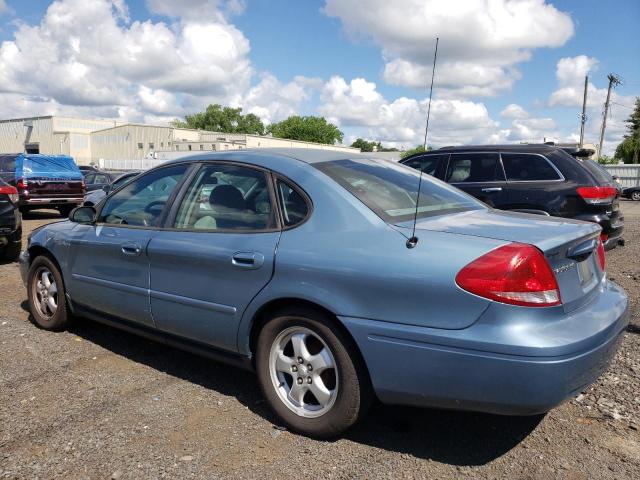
(267, 311)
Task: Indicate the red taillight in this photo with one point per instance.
(515, 273)
(597, 195)
(11, 192)
(21, 184)
(600, 250)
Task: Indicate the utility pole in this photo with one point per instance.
(583, 115)
(613, 80)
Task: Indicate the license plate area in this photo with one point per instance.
(586, 271)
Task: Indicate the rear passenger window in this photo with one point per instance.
(474, 167)
(526, 168)
(293, 205)
(227, 197)
(427, 164)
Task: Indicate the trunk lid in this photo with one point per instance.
(569, 245)
(52, 188)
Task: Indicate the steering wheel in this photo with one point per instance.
(158, 203)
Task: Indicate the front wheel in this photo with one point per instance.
(47, 301)
(635, 196)
(311, 374)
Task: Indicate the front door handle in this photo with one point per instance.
(247, 260)
(131, 249)
(492, 189)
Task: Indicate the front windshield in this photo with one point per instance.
(391, 189)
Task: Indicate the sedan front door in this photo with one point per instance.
(215, 255)
(108, 260)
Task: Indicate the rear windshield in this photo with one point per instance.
(391, 189)
(598, 171)
(45, 166)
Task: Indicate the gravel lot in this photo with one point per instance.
(98, 403)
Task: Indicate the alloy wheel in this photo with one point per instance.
(303, 372)
(45, 293)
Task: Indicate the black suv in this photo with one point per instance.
(541, 179)
(10, 223)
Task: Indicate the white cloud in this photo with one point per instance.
(481, 41)
(3, 7)
(91, 54)
(358, 106)
(514, 111)
(272, 101)
(570, 73)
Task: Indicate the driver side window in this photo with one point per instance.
(140, 203)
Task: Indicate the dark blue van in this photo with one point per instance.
(44, 181)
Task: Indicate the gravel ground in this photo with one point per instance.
(98, 403)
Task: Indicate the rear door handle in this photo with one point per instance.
(492, 189)
(247, 260)
(131, 249)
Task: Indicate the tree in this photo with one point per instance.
(307, 129)
(222, 119)
(366, 146)
(417, 149)
(629, 149)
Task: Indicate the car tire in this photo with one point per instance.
(339, 378)
(11, 252)
(635, 196)
(47, 301)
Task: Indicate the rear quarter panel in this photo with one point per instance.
(346, 259)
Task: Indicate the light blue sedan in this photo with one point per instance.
(304, 266)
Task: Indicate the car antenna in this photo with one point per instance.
(413, 240)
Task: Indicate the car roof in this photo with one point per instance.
(306, 155)
(531, 147)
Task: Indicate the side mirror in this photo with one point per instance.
(85, 215)
(106, 188)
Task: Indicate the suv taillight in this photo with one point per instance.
(597, 195)
(11, 192)
(515, 273)
(600, 250)
(21, 184)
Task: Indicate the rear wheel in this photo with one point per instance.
(45, 289)
(635, 195)
(311, 374)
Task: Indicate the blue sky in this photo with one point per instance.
(360, 63)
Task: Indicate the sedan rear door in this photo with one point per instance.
(215, 255)
(480, 174)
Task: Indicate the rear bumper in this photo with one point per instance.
(50, 201)
(612, 227)
(410, 366)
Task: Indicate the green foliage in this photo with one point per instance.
(222, 119)
(307, 129)
(418, 149)
(366, 146)
(607, 160)
(629, 150)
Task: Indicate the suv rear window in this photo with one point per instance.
(390, 189)
(599, 172)
(523, 167)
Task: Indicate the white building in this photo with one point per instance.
(112, 144)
